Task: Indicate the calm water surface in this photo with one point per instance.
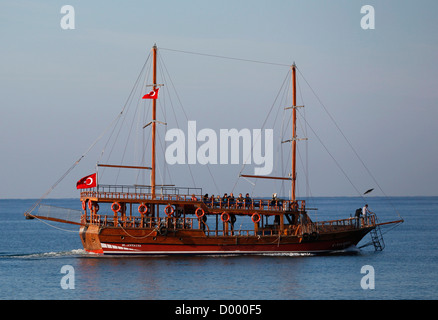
(32, 254)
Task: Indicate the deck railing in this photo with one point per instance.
(335, 225)
(183, 223)
(168, 194)
(141, 222)
(257, 204)
(138, 192)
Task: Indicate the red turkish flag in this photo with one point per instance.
(87, 182)
(152, 95)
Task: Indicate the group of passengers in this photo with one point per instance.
(228, 200)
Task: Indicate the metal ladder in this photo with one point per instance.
(377, 239)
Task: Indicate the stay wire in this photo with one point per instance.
(264, 122)
(71, 168)
(86, 152)
(185, 114)
(350, 145)
(237, 59)
(334, 159)
(225, 57)
(127, 103)
(161, 63)
(55, 227)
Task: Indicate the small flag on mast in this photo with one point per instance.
(152, 95)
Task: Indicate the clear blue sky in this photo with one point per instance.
(61, 88)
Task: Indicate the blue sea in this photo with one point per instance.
(46, 261)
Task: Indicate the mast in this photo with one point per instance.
(154, 119)
(294, 131)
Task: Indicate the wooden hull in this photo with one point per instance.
(125, 241)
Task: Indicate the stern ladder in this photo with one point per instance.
(377, 238)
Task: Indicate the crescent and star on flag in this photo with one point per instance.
(152, 95)
(89, 181)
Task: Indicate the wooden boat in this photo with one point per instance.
(167, 220)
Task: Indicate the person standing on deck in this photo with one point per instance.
(364, 213)
(247, 201)
(240, 200)
(225, 201)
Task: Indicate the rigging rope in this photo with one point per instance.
(173, 109)
(70, 169)
(382, 233)
(334, 159)
(85, 153)
(225, 57)
(55, 227)
(237, 59)
(185, 115)
(306, 123)
(143, 237)
(263, 126)
(350, 145)
(127, 103)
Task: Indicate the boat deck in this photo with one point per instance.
(183, 203)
